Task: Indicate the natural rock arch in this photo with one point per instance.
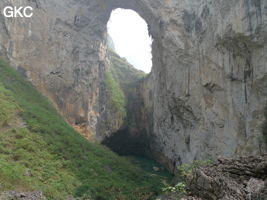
(138, 6)
(102, 11)
(193, 106)
(186, 71)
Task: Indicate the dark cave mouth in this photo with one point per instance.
(124, 144)
(136, 150)
(132, 139)
(127, 141)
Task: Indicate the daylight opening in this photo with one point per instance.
(130, 36)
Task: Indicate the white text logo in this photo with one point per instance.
(13, 12)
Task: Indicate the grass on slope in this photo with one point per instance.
(124, 72)
(116, 95)
(121, 80)
(46, 154)
(118, 80)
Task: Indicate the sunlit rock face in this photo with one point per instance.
(207, 89)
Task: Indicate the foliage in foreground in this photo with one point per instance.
(185, 173)
(40, 151)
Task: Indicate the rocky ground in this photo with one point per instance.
(12, 195)
(243, 178)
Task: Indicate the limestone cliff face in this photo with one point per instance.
(210, 80)
(207, 90)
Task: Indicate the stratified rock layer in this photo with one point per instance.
(207, 89)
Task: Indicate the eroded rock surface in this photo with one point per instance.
(207, 89)
(207, 99)
(244, 178)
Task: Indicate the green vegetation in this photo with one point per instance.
(120, 78)
(186, 170)
(116, 94)
(40, 151)
(8, 107)
(179, 189)
(123, 72)
(184, 175)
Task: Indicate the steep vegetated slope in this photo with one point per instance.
(129, 139)
(119, 95)
(124, 72)
(40, 151)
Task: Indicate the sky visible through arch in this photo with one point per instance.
(130, 35)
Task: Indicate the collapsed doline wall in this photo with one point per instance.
(207, 89)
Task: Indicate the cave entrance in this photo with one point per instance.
(129, 36)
